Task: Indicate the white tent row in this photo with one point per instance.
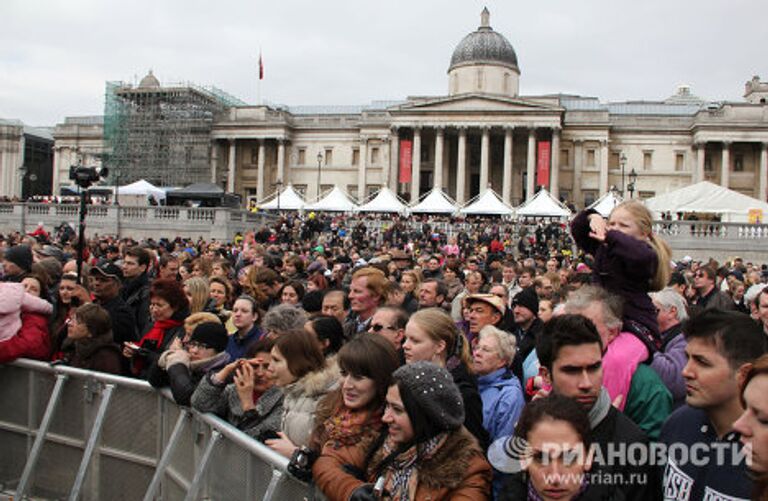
(436, 201)
(605, 204)
(141, 188)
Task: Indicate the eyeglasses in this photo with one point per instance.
(379, 327)
(196, 344)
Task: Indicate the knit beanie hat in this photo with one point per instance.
(434, 392)
(527, 298)
(212, 334)
(21, 256)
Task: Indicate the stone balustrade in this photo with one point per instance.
(137, 222)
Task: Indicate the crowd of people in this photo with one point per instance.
(425, 366)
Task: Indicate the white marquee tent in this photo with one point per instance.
(289, 200)
(605, 204)
(488, 203)
(335, 201)
(706, 197)
(142, 188)
(384, 201)
(436, 202)
(543, 204)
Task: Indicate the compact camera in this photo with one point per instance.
(86, 176)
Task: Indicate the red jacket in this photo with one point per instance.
(32, 341)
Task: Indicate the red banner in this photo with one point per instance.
(406, 148)
(542, 167)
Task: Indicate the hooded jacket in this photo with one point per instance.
(503, 402)
(301, 399)
(458, 470)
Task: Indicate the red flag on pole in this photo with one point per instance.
(261, 68)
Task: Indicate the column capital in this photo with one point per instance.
(417, 128)
(556, 129)
(364, 139)
(727, 143)
(509, 128)
(764, 145)
(578, 142)
(439, 129)
(699, 145)
(394, 129)
(486, 129)
(532, 131)
(604, 143)
(232, 140)
(385, 139)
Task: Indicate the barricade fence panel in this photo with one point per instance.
(49, 414)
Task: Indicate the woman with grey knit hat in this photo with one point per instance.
(425, 452)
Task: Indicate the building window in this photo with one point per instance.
(589, 197)
(301, 189)
(325, 188)
(707, 164)
(355, 156)
(506, 83)
(644, 195)
(374, 156)
(301, 156)
(565, 158)
(425, 154)
(480, 77)
(614, 162)
(565, 196)
(680, 162)
(254, 155)
(371, 189)
(647, 160)
(738, 163)
(591, 162)
(328, 156)
(352, 190)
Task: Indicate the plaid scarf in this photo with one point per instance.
(346, 426)
(401, 477)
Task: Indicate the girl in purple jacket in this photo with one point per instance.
(630, 261)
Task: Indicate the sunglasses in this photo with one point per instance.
(379, 327)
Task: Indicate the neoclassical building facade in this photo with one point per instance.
(481, 134)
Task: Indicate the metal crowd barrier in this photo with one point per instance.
(67, 433)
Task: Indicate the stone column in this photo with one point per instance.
(261, 174)
(461, 166)
(506, 190)
(362, 165)
(231, 166)
(554, 175)
(603, 186)
(416, 165)
(56, 171)
(701, 151)
(725, 167)
(281, 162)
(485, 156)
(530, 167)
(578, 163)
(763, 179)
(394, 159)
(214, 160)
(437, 177)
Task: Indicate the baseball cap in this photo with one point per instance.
(108, 269)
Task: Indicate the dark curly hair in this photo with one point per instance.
(170, 291)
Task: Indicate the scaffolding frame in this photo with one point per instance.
(161, 134)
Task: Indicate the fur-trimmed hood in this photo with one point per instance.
(447, 468)
(317, 383)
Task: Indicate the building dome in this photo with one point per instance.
(484, 46)
(149, 82)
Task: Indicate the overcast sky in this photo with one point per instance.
(56, 55)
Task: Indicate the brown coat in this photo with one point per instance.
(458, 471)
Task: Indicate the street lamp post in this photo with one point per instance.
(623, 163)
(632, 182)
(279, 184)
(22, 176)
(319, 163)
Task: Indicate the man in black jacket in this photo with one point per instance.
(135, 291)
(570, 352)
(105, 279)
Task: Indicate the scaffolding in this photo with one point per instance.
(161, 134)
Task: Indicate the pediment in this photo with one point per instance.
(474, 102)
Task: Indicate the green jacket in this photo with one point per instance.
(649, 402)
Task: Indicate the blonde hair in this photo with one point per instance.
(200, 292)
(439, 326)
(644, 219)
